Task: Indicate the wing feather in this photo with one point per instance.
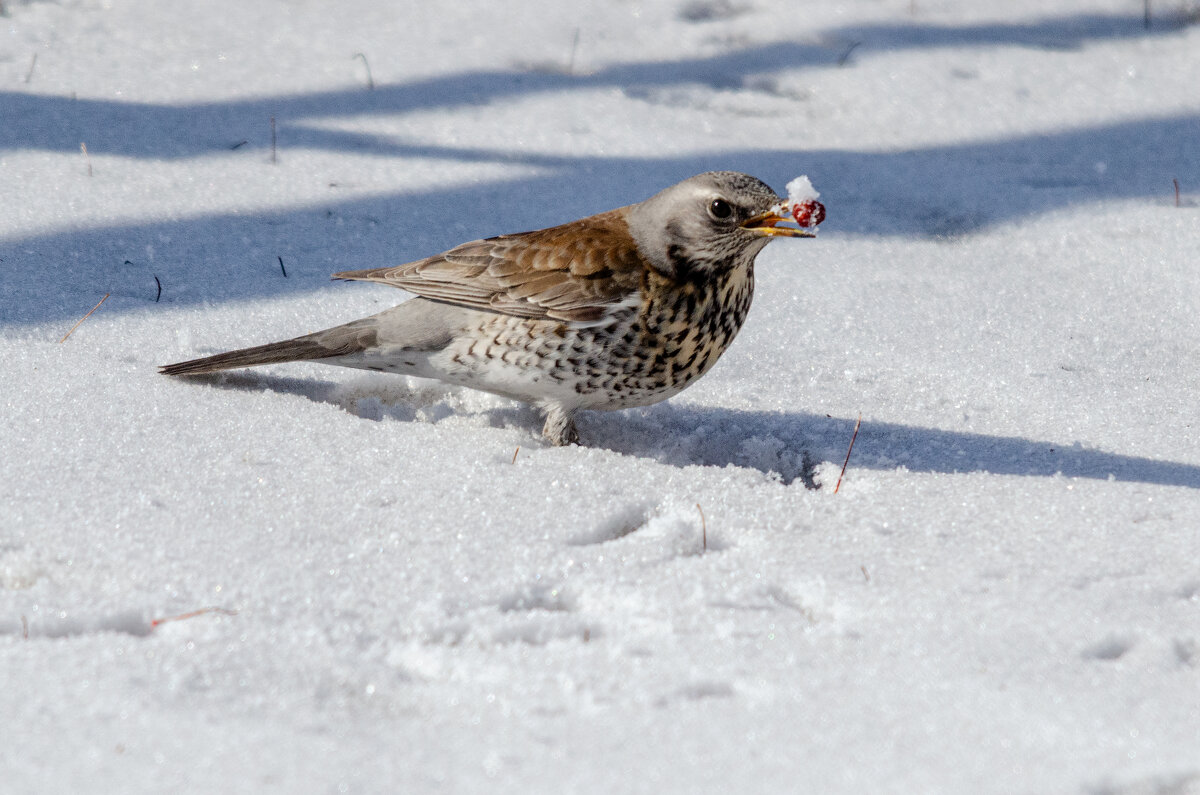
(577, 273)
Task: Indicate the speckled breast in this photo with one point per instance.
(675, 337)
(643, 355)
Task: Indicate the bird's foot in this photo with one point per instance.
(560, 428)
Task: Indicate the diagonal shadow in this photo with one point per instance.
(933, 192)
(165, 131)
(790, 443)
(787, 445)
(1057, 33)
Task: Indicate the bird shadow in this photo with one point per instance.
(787, 446)
(791, 445)
(383, 398)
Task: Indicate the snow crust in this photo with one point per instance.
(415, 593)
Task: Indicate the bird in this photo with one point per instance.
(621, 309)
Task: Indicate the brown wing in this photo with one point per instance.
(576, 272)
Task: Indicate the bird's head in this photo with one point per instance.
(709, 224)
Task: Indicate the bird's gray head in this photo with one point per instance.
(707, 225)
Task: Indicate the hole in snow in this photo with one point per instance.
(1113, 647)
(619, 524)
(538, 597)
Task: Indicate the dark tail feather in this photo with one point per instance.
(351, 338)
(272, 353)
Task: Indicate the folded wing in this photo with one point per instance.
(578, 273)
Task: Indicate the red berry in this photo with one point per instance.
(808, 212)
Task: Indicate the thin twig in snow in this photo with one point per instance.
(32, 63)
(848, 449)
(159, 294)
(845, 56)
(85, 317)
(281, 266)
(574, 47)
(202, 611)
(1176, 191)
(703, 528)
(86, 159)
(370, 80)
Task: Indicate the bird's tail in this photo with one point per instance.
(272, 353)
(341, 341)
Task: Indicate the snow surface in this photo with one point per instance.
(1003, 597)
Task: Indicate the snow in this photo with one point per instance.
(1004, 596)
(801, 189)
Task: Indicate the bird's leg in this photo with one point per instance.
(560, 428)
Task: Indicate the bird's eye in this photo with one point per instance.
(720, 209)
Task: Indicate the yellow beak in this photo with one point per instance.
(766, 224)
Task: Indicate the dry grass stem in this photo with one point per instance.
(848, 451)
(370, 80)
(574, 49)
(202, 611)
(85, 317)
